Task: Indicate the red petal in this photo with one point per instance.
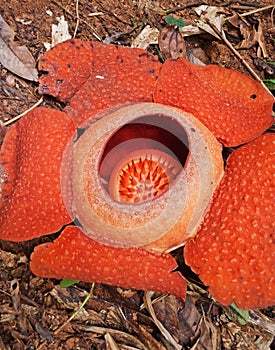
(30, 160)
(96, 76)
(68, 66)
(233, 106)
(7, 164)
(234, 252)
(74, 255)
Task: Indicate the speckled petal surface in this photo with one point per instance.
(74, 255)
(7, 165)
(234, 107)
(66, 67)
(30, 158)
(93, 76)
(234, 251)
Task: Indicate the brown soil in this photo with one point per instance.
(35, 313)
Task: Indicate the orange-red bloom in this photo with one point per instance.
(232, 253)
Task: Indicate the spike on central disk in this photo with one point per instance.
(143, 176)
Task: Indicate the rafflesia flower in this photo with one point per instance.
(133, 168)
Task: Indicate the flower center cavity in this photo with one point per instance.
(147, 175)
(143, 159)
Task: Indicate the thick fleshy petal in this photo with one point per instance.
(234, 251)
(66, 66)
(74, 255)
(95, 76)
(233, 106)
(30, 161)
(7, 164)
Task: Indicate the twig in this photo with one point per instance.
(74, 314)
(163, 330)
(77, 18)
(259, 319)
(116, 333)
(257, 10)
(236, 53)
(271, 17)
(241, 4)
(93, 14)
(25, 112)
(110, 342)
(83, 20)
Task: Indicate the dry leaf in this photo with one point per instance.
(190, 30)
(15, 58)
(197, 56)
(210, 13)
(44, 332)
(197, 328)
(249, 36)
(60, 33)
(163, 330)
(15, 294)
(261, 41)
(171, 43)
(167, 310)
(265, 66)
(148, 36)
